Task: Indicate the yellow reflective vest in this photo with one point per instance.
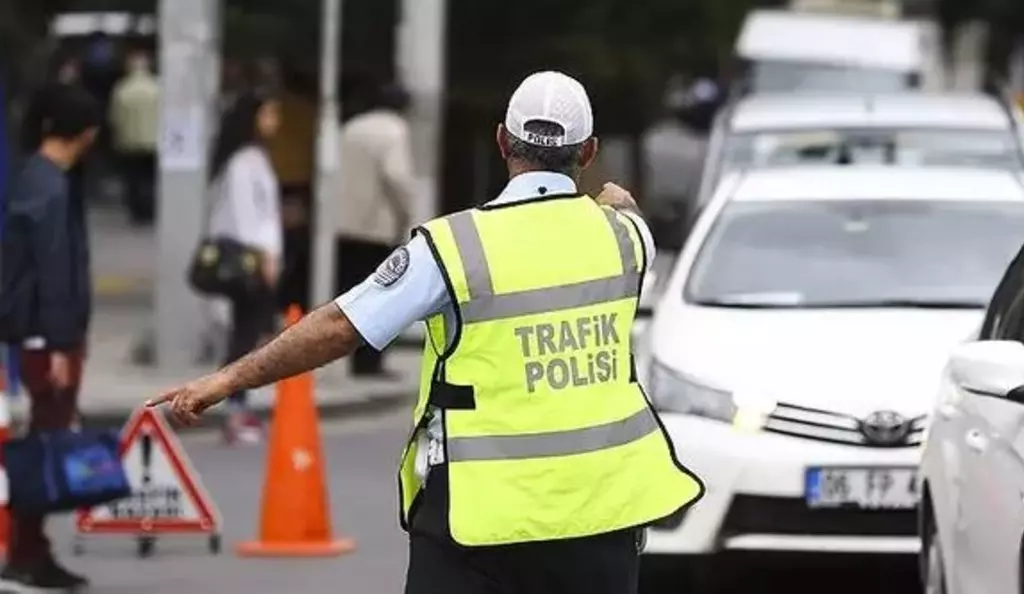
(548, 435)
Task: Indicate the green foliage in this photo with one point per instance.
(624, 50)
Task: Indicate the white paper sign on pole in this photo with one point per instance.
(182, 139)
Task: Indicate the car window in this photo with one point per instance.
(856, 253)
(928, 147)
(1011, 325)
(772, 76)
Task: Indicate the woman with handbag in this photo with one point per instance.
(246, 212)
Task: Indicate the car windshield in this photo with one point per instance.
(856, 253)
(774, 76)
(981, 148)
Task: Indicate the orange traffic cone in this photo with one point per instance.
(295, 520)
(5, 434)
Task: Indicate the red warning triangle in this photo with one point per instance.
(167, 495)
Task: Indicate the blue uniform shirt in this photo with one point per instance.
(412, 288)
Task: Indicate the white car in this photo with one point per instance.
(972, 508)
(913, 129)
(795, 351)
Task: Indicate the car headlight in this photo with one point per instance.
(671, 391)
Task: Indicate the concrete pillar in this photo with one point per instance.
(327, 158)
(189, 51)
(421, 61)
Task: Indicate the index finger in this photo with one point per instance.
(161, 399)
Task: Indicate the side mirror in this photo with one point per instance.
(991, 367)
(649, 294)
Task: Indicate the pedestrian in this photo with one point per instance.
(64, 69)
(374, 205)
(535, 460)
(293, 153)
(246, 207)
(45, 303)
(134, 121)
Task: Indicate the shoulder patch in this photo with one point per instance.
(393, 268)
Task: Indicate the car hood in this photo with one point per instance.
(847, 361)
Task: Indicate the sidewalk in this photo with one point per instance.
(124, 261)
(114, 386)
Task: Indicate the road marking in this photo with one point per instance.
(110, 285)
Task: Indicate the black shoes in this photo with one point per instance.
(47, 576)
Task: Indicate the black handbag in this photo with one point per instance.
(224, 267)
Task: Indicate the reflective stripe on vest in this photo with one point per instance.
(559, 443)
(484, 305)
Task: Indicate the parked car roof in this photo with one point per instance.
(870, 182)
(777, 111)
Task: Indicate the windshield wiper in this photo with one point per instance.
(879, 304)
(747, 304)
(900, 303)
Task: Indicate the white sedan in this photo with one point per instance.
(972, 511)
(795, 352)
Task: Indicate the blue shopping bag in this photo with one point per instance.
(59, 471)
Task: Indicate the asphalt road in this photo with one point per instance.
(361, 456)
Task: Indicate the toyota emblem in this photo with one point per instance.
(885, 428)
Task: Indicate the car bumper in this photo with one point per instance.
(755, 495)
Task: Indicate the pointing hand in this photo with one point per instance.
(189, 402)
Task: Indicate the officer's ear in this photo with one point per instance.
(503, 142)
(588, 153)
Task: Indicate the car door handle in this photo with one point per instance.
(976, 441)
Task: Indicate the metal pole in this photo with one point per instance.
(421, 56)
(327, 159)
(187, 45)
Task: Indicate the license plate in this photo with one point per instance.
(868, 488)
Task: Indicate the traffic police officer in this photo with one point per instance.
(536, 458)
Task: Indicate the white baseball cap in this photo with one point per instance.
(550, 97)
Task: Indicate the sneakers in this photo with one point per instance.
(243, 427)
(48, 576)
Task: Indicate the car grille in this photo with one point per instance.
(823, 425)
(750, 514)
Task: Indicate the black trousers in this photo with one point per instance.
(253, 319)
(138, 171)
(356, 259)
(604, 564)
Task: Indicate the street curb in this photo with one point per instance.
(384, 402)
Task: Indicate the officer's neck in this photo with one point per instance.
(517, 168)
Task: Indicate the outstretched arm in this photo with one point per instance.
(319, 338)
(407, 287)
(325, 335)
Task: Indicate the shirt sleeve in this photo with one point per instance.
(645, 236)
(51, 250)
(381, 308)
